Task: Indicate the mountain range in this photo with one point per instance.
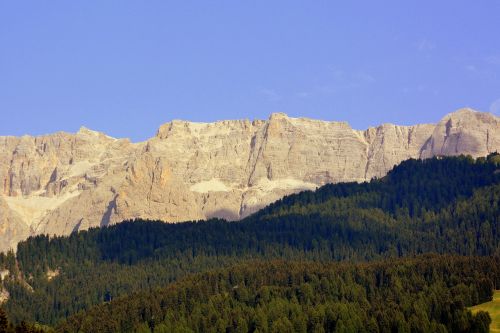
(59, 183)
(361, 245)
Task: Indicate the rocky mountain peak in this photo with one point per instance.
(91, 134)
(278, 116)
(59, 183)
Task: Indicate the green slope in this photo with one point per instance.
(493, 308)
(422, 294)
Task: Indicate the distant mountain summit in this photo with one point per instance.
(59, 183)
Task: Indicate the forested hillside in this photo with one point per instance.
(439, 205)
(423, 294)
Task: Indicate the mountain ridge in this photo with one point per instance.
(62, 182)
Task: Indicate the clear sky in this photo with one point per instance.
(125, 67)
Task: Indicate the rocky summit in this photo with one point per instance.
(60, 183)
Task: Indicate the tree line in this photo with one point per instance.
(428, 293)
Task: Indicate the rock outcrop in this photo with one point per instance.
(60, 183)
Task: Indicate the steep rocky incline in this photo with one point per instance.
(59, 183)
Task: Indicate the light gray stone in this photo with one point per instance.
(60, 183)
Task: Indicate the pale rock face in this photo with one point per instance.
(464, 132)
(60, 183)
(390, 144)
(12, 227)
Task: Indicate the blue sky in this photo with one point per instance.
(125, 67)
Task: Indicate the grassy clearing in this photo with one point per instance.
(493, 308)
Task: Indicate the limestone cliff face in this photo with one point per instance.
(59, 183)
(12, 227)
(464, 132)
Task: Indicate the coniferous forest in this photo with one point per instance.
(408, 252)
